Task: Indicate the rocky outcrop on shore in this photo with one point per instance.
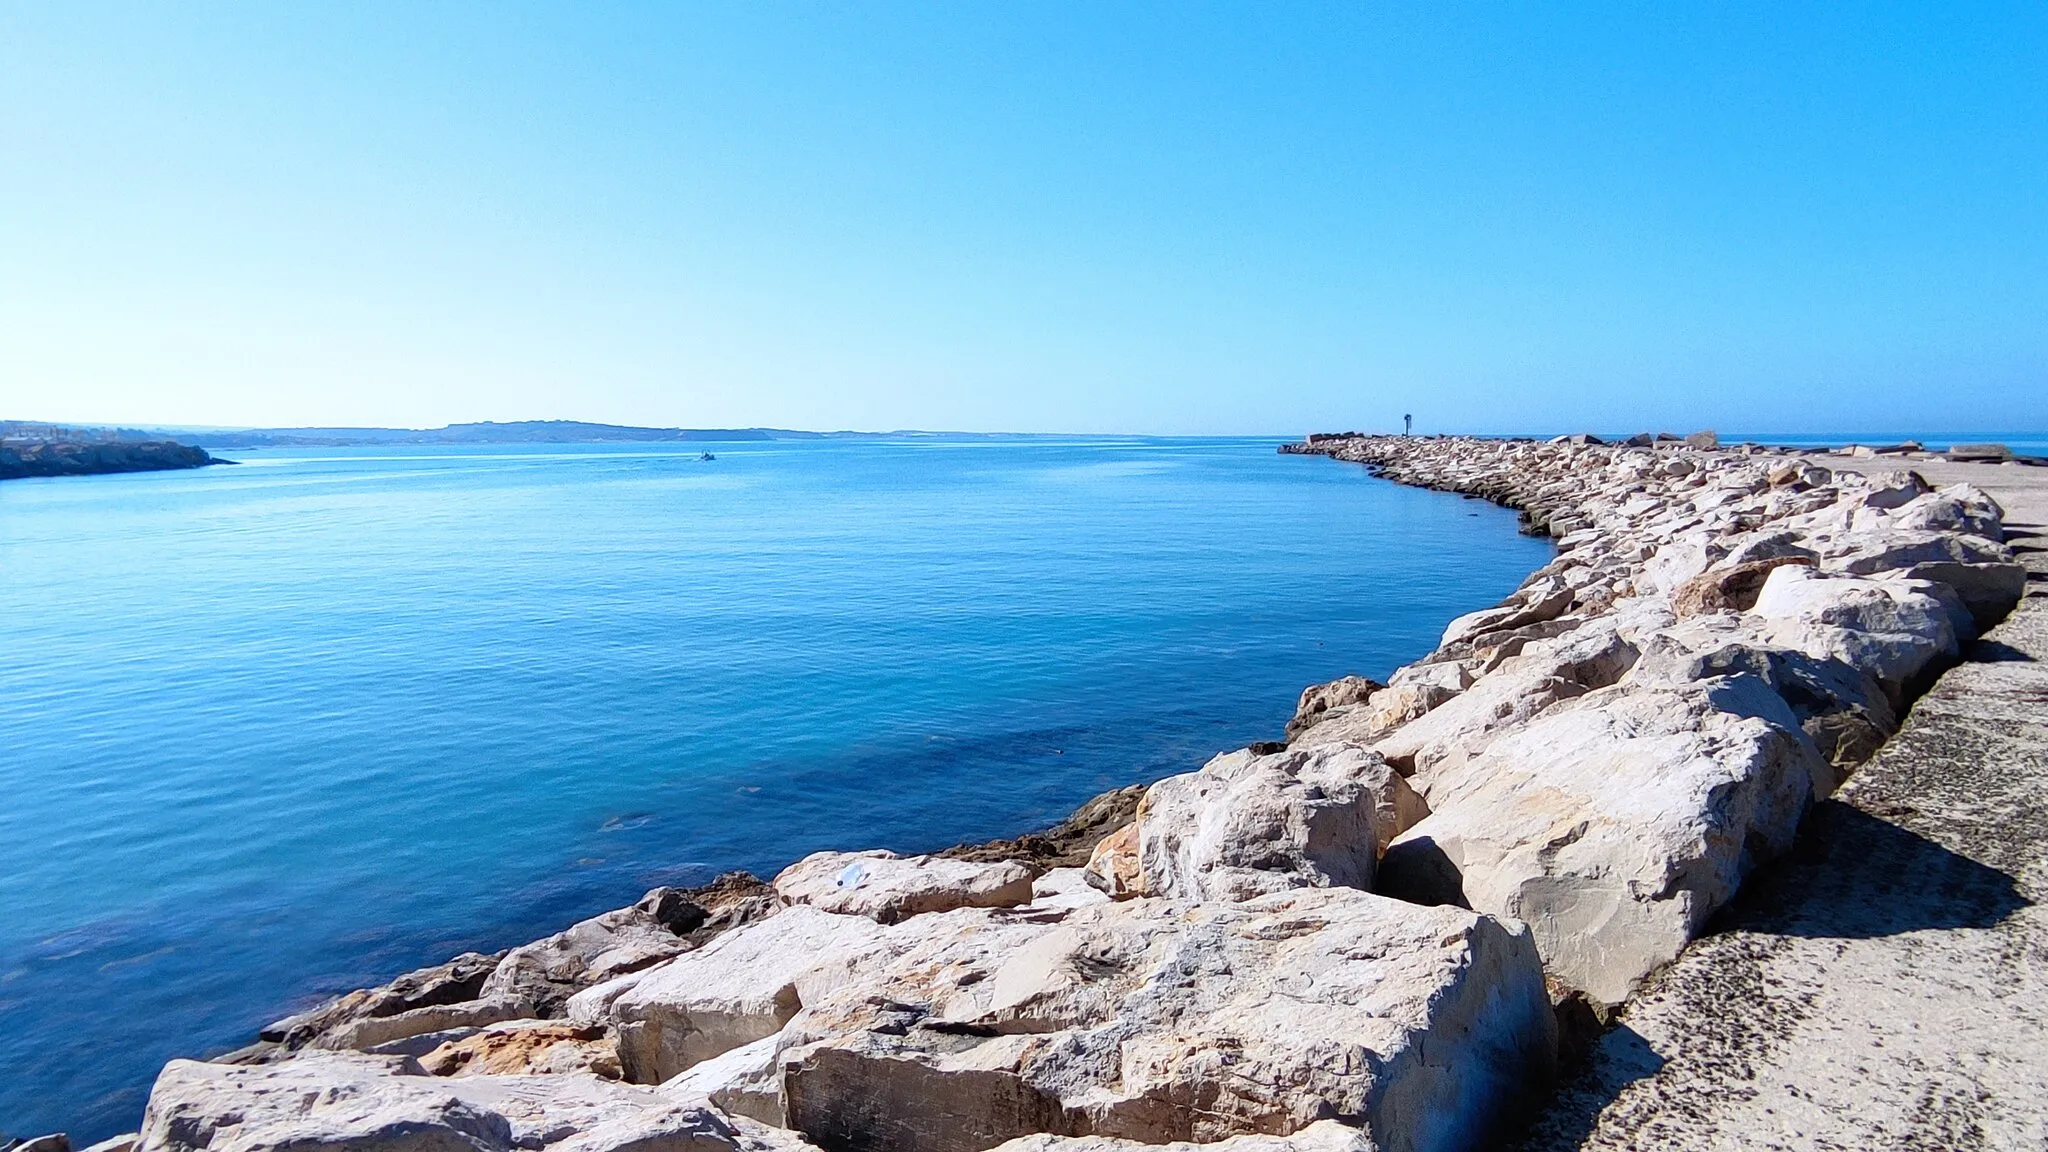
(20, 459)
(1362, 937)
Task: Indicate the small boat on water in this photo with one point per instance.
(707, 456)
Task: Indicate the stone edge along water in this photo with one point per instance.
(1375, 934)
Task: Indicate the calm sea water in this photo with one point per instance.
(274, 731)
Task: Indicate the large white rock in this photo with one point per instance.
(1249, 824)
(1868, 553)
(1617, 823)
(1891, 628)
(1540, 675)
(375, 1030)
(547, 972)
(347, 1102)
(886, 887)
(1154, 1021)
(742, 987)
(746, 1081)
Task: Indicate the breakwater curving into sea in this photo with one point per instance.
(1376, 932)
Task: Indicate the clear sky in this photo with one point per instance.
(1091, 217)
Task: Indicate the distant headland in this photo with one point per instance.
(29, 450)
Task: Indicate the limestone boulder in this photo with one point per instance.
(1070, 887)
(1544, 601)
(1762, 545)
(1541, 675)
(742, 987)
(1249, 824)
(347, 1102)
(1894, 629)
(525, 1048)
(1988, 591)
(547, 972)
(1616, 824)
(1843, 709)
(1869, 553)
(889, 888)
(378, 1031)
(1728, 587)
(1113, 867)
(1682, 559)
(1410, 693)
(1501, 701)
(1318, 699)
(1152, 1021)
(746, 1081)
(453, 982)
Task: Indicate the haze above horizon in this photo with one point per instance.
(1067, 218)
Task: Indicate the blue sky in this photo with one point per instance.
(1175, 218)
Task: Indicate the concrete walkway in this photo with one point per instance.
(1886, 986)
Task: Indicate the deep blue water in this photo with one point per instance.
(274, 731)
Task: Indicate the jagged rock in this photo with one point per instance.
(374, 1031)
(1155, 1022)
(1732, 588)
(674, 909)
(888, 888)
(1764, 544)
(1067, 844)
(125, 1142)
(1531, 606)
(746, 1081)
(1246, 824)
(54, 1142)
(347, 1102)
(1410, 693)
(547, 972)
(1893, 629)
(1318, 699)
(1705, 439)
(1988, 591)
(457, 980)
(1113, 867)
(740, 988)
(527, 1047)
(1068, 887)
(1870, 553)
(1616, 824)
(1843, 709)
(1522, 687)
(418, 1045)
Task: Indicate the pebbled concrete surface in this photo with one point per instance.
(1886, 986)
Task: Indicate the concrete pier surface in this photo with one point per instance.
(1887, 985)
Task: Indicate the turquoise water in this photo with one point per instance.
(274, 731)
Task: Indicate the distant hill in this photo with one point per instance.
(485, 432)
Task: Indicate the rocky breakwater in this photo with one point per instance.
(1360, 937)
(1723, 637)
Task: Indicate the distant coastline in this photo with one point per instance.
(531, 432)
